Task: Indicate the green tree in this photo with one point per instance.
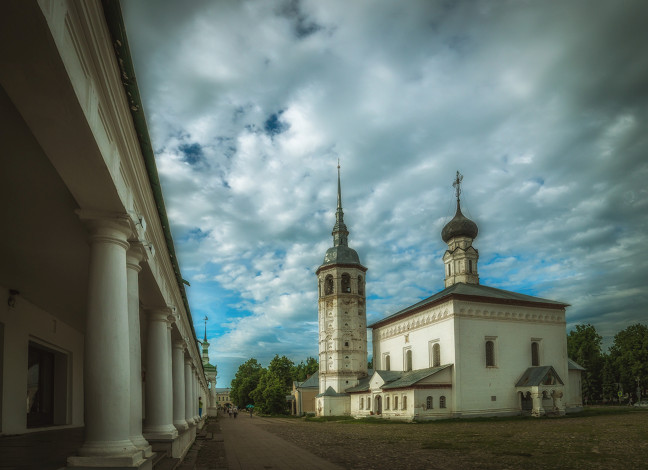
(281, 369)
(245, 382)
(274, 384)
(304, 370)
(629, 356)
(584, 347)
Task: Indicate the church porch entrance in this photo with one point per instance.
(378, 405)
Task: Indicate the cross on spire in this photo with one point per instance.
(457, 184)
(205, 327)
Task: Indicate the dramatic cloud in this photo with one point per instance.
(542, 106)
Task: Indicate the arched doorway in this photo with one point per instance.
(378, 406)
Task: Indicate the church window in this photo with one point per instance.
(535, 354)
(442, 401)
(369, 403)
(408, 360)
(361, 402)
(360, 286)
(346, 344)
(387, 362)
(405, 402)
(346, 283)
(328, 285)
(428, 403)
(436, 355)
(490, 353)
(387, 403)
(395, 403)
(470, 266)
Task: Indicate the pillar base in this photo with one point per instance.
(181, 426)
(161, 433)
(126, 462)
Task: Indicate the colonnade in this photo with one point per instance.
(120, 426)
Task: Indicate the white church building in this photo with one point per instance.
(95, 328)
(469, 350)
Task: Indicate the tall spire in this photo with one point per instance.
(205, 328)
(340, 232)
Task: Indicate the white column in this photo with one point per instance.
(106, 379)
(195, 395)
(188, 391)
(179, 386)
(159, 408)
(134, 257)
(212, 394)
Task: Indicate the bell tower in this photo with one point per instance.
(341, 312)
(460, 259)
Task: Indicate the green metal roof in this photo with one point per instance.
(540, 375)
(475, 292)
(311, 382)
(573, 365)
(410, 378)
(331, 393)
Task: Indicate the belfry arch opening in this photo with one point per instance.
(328, 285)
(346, 283)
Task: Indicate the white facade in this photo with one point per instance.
(95, 314)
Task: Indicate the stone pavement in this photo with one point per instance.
(239, 444)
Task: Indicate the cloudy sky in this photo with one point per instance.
(542, 106)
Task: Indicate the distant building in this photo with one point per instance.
(303, 396)
(223, 397)
(95, 328)
(469, 350)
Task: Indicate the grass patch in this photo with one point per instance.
(326, 419)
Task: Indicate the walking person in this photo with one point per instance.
(235, 411)
(200, 407)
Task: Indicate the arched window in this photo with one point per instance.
(386, 403)
(387, 362)
(408, 360)
(395, 403)
(405, 402)
(470, 266)
(436, 355)
(361, 402)
(442, 401)
(428, 403)
(490, 354)
(360, 286)
(369, 403)
(346, 283)
(328, 285)
(535, 354)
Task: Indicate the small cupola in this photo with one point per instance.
(461, 258)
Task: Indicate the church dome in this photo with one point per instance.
(341, 254)
(459, 226)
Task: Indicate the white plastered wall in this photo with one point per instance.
(23, 323)
(512, 328)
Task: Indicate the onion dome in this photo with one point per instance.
(459, 226)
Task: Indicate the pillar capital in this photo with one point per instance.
(108, 227)
(135, 255)
(159, 314)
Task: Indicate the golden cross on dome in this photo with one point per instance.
(457, 184)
